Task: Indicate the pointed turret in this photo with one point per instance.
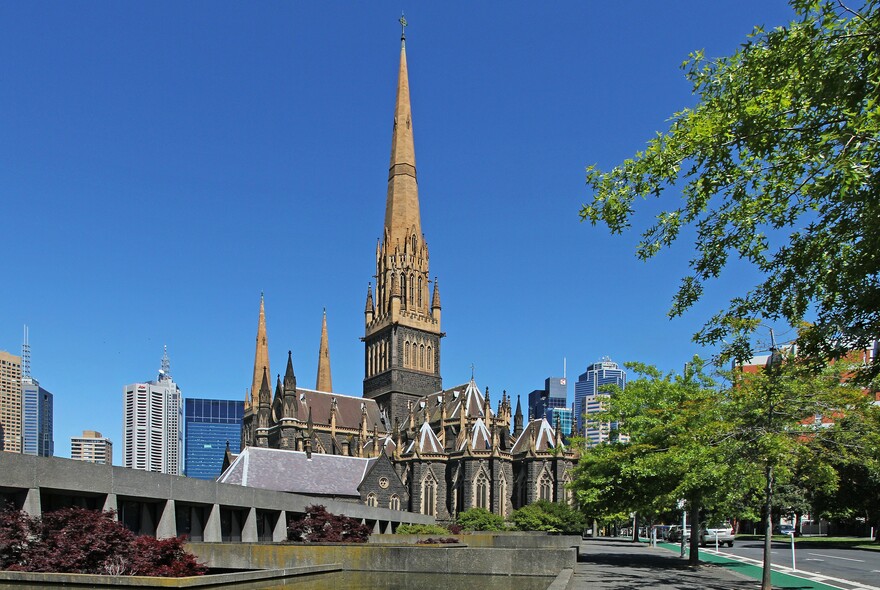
(324, 380)
(290, 408)
(261, 356)
(517, 420)
(369, 309)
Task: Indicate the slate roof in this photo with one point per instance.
(466, 396)
(348, 409)
(544, 437)
(293, 471)
(426, 441)
(479, 437)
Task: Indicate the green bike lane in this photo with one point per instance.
(779, 579)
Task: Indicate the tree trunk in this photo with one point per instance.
(695, 533)
(768, 526)
(635, 528)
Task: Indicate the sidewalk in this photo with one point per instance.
(618, 564)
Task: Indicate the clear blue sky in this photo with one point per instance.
(163, 163)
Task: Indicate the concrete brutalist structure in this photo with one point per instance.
(169, 506)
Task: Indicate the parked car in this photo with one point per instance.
(722, 534)
(784, 529)
(674, 534)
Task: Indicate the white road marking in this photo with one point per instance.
(835, 557)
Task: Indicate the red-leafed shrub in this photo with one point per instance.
(14, 532)
(165, 557)
(75, 540)
(318, 525)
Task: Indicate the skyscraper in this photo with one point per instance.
(36, 423)
(91, 447)
(10, 402)
(589, 397)
(543, 401)
(37, 410)
(210, 424)
(153, 424)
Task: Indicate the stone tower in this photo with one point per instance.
(402, 336)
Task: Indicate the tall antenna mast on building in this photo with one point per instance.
(563, 368)
(166, 364)
(26, 356)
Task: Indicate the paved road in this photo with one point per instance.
(853, 565)
(617, 564)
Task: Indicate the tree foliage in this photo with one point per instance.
(319, 526)
(778, 165)
(421, 529)
(75, 540)
(556, 517)
(479, 519)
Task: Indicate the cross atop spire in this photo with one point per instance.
(403, 24)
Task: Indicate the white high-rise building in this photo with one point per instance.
(153, 424)
(590, 399)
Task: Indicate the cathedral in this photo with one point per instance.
(406, 443)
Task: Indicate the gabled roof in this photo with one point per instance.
(479, 437)
(426, 442)
(465, 397)
(293, 471)
(544, 437)
(386, 443)
(348, 409)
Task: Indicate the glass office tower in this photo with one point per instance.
(209, 424)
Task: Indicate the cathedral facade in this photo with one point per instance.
(439, 451)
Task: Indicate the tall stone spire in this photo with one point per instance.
(261, 356)
(324, 381)
(402, 204)
(402, 336)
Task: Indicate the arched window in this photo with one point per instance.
(545, 487)
(406, 353)
(430, 359)
(394, 503)
(372, 500)
(481, 492)
(414, 244)
(422, 356)
(415, 355)
(502, 497)
(429, 495)
(412, 286)
(420, 292)
(403, 289)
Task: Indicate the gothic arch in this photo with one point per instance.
(429, 494)
(482, 491)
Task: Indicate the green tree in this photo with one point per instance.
(771, 416)
(777, 165)
(554, 517)
(480, 519)
(674, 449)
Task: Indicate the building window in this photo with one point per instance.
(406, 354)
(481, 492)
(372, 500)
(394, 503)
(429, 495)
(502, 496)
(545, 488)
(420, 292)
(430, 360)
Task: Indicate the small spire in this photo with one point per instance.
(324, 381)
(289, 376)
(435, 299)
(265, 392)
(369, 306)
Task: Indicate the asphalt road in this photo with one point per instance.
(853, 565)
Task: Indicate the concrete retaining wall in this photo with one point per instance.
(375, 557)
(513, 540)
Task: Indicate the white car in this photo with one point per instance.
(722, 533)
